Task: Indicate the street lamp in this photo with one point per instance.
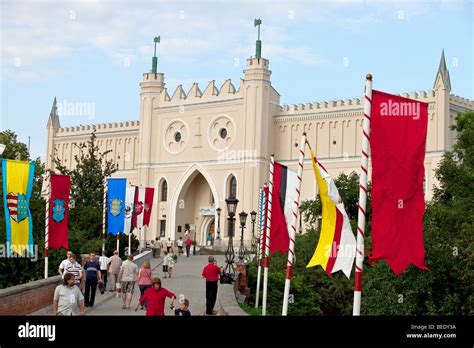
(253, 218)
(229, 254)
(243, 221)
(218, 211)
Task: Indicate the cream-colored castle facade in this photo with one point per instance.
(198, 148)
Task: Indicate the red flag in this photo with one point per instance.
(397, 145)
(59, 211)
(149, 192)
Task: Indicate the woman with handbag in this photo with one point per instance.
(144, 279)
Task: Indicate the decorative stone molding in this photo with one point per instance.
(176, 136)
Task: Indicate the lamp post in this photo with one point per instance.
(253, 218)
(229, 254)
(218, 239)
(243, 221)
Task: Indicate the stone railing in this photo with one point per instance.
(227, 302)
(27, 298)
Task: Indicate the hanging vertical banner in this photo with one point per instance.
(116, 205)
(149, 192)
(59, 211)
(17, 187)
(284, 195)
(138, 208)
(397, 144)
(129, 208)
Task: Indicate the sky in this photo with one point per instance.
(91, 55)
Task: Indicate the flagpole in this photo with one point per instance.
(292, 231)
(46, 226)
(261, 206)
(130, 243)
(267, 236)
(118, 243)
(362, 196)
(104, 206)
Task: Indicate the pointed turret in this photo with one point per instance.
(443, 74)
(53, 120)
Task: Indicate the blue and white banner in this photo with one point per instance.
(116, 205)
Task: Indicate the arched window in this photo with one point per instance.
(233, 187)
(164, 191)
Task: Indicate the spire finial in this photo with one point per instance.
(155, 59)
(258, 49)
(442, 62)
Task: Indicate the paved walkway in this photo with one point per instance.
(186, 280)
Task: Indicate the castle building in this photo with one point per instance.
(200, 147)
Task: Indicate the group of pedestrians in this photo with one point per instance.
(158, 246)
(79, 283)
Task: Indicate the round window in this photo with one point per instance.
(223, 133)
(177, 137)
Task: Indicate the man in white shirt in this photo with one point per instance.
(180, 245)
(64, 263)
(68, 299)
(104, 266)
(127, 277)
(169, 245)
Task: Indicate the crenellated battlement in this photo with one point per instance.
(461, 101)
(195, 95)
(345, 104)
(99, 128)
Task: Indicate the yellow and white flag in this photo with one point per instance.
(337, 245)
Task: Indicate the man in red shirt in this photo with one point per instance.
(188, 242)
(155, 299)
(211, 273)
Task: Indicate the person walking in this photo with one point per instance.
(154, 298)
(211, 273)
(64, 263)
(104, 267)
(169, 245)
(209, 239)
(127, 277)
(68, 299)
(172, 259)
(156, 247)
(165, 264)
(180, 246)
(92, 269)
(188, 244)
(75, 269)
(144, 279)
(114, 263)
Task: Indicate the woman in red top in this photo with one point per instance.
(155, 299)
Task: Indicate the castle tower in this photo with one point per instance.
(150, 90)
(261, 102)
(52, 127)
(442, 88)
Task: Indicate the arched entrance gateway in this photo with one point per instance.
(194, 206)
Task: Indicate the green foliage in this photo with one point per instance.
(447, 289)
